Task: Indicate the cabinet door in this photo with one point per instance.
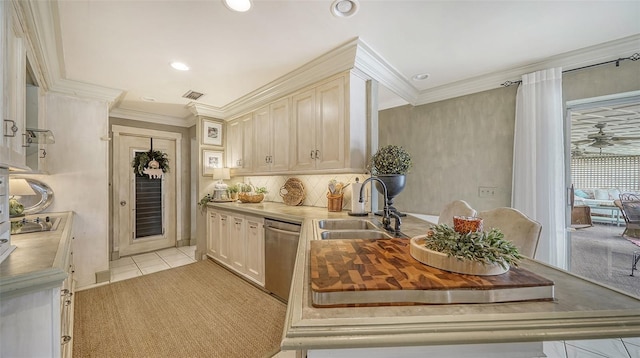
(330, 125)
(248, 138)
(14, 87)
(213, 233)
(263, 135)
(303, 113)
(234, 144)
(279, 118)
(255, 249)
(237, 244)
(223, 252)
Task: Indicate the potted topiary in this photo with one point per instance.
(391, 163)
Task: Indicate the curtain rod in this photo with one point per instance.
(634, 57)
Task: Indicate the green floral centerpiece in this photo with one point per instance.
(390, 159)
(488, 247)
(482, 253)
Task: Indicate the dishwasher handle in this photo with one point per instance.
(286, 232)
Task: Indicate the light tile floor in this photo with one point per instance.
(137, 265)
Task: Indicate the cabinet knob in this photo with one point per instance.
(311, 154)
(44, 153)
(317, 154)
(65, 339)
(123, 203)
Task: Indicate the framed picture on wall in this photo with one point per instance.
(211, 159)
(211, 133)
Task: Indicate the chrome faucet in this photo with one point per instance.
(386, 212)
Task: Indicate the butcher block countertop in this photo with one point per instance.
(376, 272)
(582, 309)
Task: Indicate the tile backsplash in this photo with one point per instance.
(315, 186)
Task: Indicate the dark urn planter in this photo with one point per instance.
(395, 184)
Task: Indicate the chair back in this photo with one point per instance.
(455, 208)
(523, 232)
(631, 213)
(618, 204)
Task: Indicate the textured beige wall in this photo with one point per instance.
(463, 143)
(457, 145)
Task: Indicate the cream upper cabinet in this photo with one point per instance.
(22, 143)
(319, 126)
(272, 133)
(240, 138)
(317, 129)
(14, 87)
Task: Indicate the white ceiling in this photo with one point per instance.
(622, 120)
(128, 44)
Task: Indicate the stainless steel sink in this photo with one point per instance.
(354, 234)
(346, 225)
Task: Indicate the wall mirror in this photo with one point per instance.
(38, 202)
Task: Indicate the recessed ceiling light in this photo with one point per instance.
(238, 5)
(344, 8)
(180, 66)
(420, 77)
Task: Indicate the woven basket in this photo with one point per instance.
(249, 198)
(292, 192)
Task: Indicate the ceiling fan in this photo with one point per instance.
(602, 139)
(577, 152)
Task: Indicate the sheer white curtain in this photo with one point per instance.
(538, 161)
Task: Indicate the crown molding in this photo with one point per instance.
(338, 60)
(570, 60)
(371, 63)
(40, 23)
(200, 109)
(152, 118)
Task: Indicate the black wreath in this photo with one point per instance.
(141, 160)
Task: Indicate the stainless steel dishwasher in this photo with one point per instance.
(281, 243)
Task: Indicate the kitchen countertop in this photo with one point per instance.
(39, 260)
(582, 309)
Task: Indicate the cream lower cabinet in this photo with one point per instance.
(237, 241)
(213, 233)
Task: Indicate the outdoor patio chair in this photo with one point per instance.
(455, 208)
(630, 209)
(516, 227)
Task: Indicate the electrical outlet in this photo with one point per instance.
(487, 191)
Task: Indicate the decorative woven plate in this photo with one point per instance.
(292, 192)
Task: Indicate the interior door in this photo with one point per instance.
(146, 208)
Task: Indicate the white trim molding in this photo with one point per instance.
(152, 117)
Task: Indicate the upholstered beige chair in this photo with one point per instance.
(516, 227)
(455, 208)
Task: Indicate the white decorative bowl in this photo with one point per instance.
(443, 262)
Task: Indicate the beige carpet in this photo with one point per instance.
(197, 310)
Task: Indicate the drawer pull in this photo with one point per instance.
(4, 241)
(67, 302)
(65, 339)
(13, 128)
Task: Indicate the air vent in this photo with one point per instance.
(193, 95)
